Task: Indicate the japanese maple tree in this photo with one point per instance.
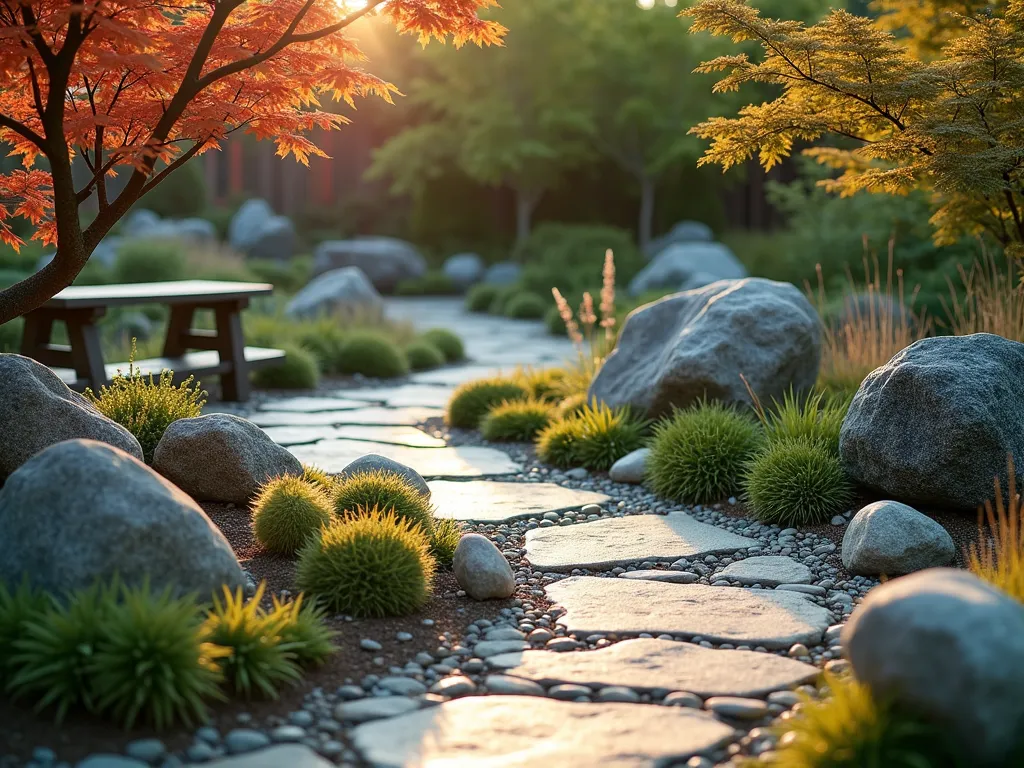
(150, 85)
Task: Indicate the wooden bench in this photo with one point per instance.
(223, 351)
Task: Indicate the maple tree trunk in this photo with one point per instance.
(645, 227)
(526, 203)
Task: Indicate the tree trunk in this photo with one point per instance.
(526, 203)
(645, 226)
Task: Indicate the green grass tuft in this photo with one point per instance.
(298, 370)
(304, 631)
(372, 354)
(606, 435)
(558, 442)
(526, 306)
(480, 297)
(472, 401)
(422, 355)
(288, 511)
(817, 418)
(796, 482)
(448, 342)
(386, 492)
(699, 454)
(572, 405)
(444, 539)
(368, 565)
(311, 473)
(516, 421)
(17, 606)
(544, 383)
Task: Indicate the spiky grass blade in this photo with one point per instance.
(606, 435)
(304, 630)
(998, 554)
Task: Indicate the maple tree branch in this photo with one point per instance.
(178, 162)
(22, 130)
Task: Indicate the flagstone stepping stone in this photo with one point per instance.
(648, 664)
(492, 502)
(373, 415)
(767, 570)
(618, 541)
(501, 731)
(374, 708)
(669, 577)
(410, 436)
(402, 397)
(291, 755)
(313, 404)
(770, 618)
(461, 461)
(453, 377)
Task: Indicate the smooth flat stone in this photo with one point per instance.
(648, 664)
(374, 708)
(487, 648)
(753, 617)
(621, 540)
(737, 708)
(313, 404)
(767, 570)
(492, 502)
(504, 731)
(410, 436)
(402, 397)
(511, 686)
(371, 415)
(452, 377)
(669, 577)
(631, 467)
(804, 589)
(462, 461)
(291, 755)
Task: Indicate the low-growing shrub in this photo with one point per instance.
(448, 342)
(150, 261)
(422, 355)
(386, 492)
(432, 283)
(146, 407)
(288, 511)
(368, 565)
(257, 659)
(606, 435)
(444, 540)
(324, 339)
(796, 481)
(372, 354)
(480, 297)
(473, 400)
(849, 729)
(517, 420)
(557, 443)
(699, 454)
(298, 370)
(526, 306)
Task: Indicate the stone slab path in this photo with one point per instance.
(649, 664)
(515, 731)
(495, 502)
(462, 461)
(768, 618)
(403, 396)
(768, 571)
(378, 415)
(623, 540)
(409, 436)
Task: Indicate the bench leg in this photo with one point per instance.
(234, 385)
(36, 335)
(179, 326)
(86, 352)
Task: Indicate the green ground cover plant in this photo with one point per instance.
(472, 401)
(516, 420)
(287, 511)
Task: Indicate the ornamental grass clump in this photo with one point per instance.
(17, 606)
(444, 539)
(516, 421)
(472, 401)
(287, 511)
(998, 554)
(146, 407)
(817, 417)
(556, 444)
(796, 481)
(449, 343)
(422, 355)
(368, 564)
(385, 491)
(372, 354)
(604, 435)
(545, 383)
(303, 629)
(699, 454)
(317, 476)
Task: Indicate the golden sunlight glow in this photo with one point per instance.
(348, 6)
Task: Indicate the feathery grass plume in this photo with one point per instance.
(17, 606)
(473, 400)
(443, 541)
(146, 407)
(518, 420)
(152, 661)
(591, 348)
(385, 491)
(699, 453)
(606, 435)
(287, 511)
(557, 443)
(303, 629)
(422, 355)
(796, 481)
(608, 299)
(258, 658)
(448, 342)
(368, 564)
(998, 554)
(572, 405)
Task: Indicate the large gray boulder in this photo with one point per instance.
(686, 231)
(697, 344)
(260, 234)
(936, 423)
(893, 539)
(221, 457)
(146, 225)
(138, 222)
(337, 290)
(249, 217)
(680, 263)
(945, 644)
(464, 269)
(82, 511)
(38, 410)
(385, 260)
(502, 273)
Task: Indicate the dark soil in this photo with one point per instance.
(82, 734)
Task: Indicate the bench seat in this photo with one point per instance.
(198, 364)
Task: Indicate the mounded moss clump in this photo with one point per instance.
(422, 355)
(372, 354)
(700, 453)
(518, 420)
(480, 297)
(474, 400)
(368, 565)
(526, 306)
(287, 511)
(449, 343)
(298, 370)
(384, 491)
(557, 443)
(797, 481)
